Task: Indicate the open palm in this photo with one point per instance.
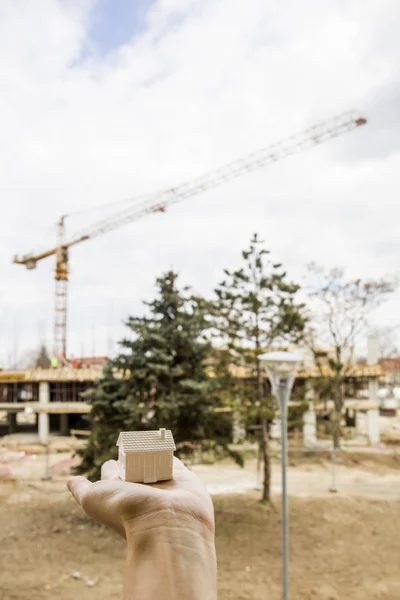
(115, 503)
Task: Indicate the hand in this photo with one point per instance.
(169, 528)
(117, 504)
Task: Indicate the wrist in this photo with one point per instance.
(169, 522)
(170, 553)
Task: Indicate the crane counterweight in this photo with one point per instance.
(28, 261)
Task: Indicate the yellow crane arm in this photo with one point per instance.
(158, 202)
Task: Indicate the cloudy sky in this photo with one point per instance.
(103, 100)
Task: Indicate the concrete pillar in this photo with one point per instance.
(310, 428)
(12, 422)
(310, 417)
(373, 350)
(309, 392)
(361, 423)
(372, 359)
(64, 429)
(43, 418)
(373, 427)
(373, 390)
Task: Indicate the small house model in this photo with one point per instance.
(145, 456)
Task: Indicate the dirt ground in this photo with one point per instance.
(343, 546)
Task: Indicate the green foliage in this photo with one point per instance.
(295, 416)
(164, 364)
(162, 379)
(256, 308)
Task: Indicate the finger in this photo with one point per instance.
(110, 470)
(78, 486)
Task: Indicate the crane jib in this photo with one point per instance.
(159, 202)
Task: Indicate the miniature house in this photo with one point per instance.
(145, 456)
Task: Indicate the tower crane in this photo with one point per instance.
(158, 202)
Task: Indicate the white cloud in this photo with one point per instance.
(204, 83)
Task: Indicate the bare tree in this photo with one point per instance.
(340, 310)
(388, 345)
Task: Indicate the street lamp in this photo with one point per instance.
(281, 370)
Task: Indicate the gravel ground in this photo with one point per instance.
(343, 546)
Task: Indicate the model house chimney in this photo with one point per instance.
(373, 350)
(162, 433)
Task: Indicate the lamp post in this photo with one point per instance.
(281, 370)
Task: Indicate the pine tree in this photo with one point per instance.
(159, 379)
(256, 308)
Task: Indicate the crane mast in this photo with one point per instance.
(158, 202)
(61, 303)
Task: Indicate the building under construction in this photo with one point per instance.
(53, 397)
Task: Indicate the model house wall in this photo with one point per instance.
(147, 467)
(146, 457)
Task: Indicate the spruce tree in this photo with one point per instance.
(158, 380)
(164, 363)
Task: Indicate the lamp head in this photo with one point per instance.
(281, 368)
(281, 362)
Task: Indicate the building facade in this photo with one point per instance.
(52, 396)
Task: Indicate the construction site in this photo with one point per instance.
(199, 300)
(45, 419)
(53, 396)
(46, 401)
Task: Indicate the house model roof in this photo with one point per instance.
(146, 441)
